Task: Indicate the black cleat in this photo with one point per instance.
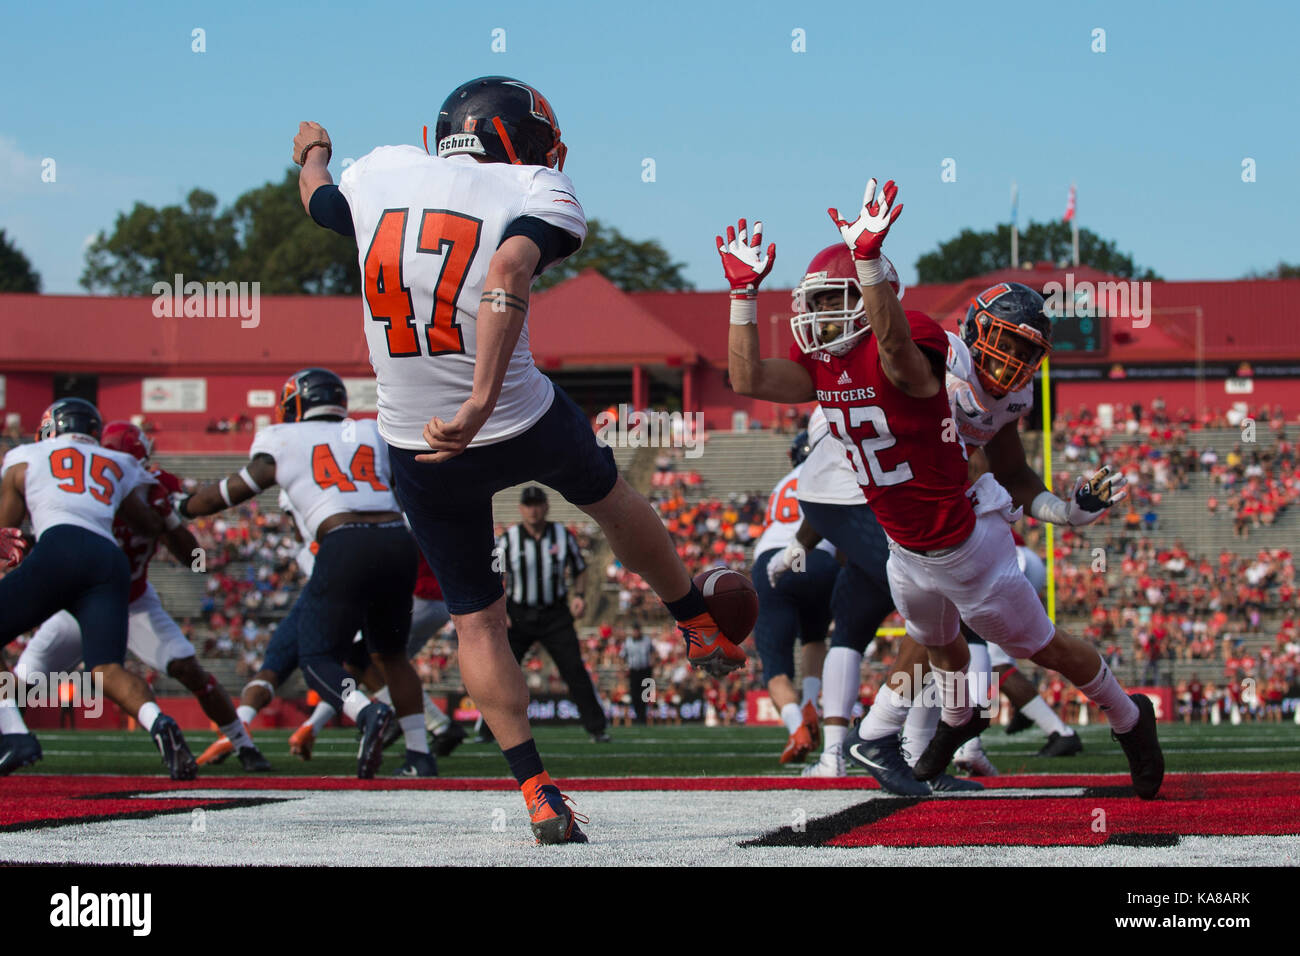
(18, 750)
(601, 738)
(251, 759)
(1146, 762)
(374, 720)
(1061, 746)
(944, 744)
(418, 765)
(176, 754)
(393, 735)
(447, 741)
(947, 783)
(883, 759)
(1018, 722)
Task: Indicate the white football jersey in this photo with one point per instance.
(979, 416)
(426, 230)
(827, 477)
(784, 515)
(324, 468)
(73, 480)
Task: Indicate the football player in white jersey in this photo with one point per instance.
(336, 474)
(449, 244)
(793, 606)
(72, 487)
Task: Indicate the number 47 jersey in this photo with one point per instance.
(426, 230)
(325, 468)
(908, 457)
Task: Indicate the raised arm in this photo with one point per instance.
(312, 151)
(775, 379)
(904, 364)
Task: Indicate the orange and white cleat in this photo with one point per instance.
(302, 740)
(552, 821)
(708, 648)
(799, 746)
(217, 752)
(812, 720)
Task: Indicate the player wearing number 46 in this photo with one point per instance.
(336, 475)
(879, 375)
(449, 239)
(73, 487)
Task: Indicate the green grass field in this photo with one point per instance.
(681, 751)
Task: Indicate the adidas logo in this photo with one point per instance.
(844, 378)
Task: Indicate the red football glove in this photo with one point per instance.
(744, 261)
(866, 234)
(12, 547)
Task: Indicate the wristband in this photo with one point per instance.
(302, 160)
(1047, 507)
(223, 486)
(744, 310)
(248, 480)
(183, 509)
(870, 271)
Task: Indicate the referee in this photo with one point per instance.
(535, 555)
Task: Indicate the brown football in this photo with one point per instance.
(731, 600)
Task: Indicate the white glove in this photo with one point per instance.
(784, 561)
(962, 397)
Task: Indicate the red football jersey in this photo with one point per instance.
(914, 479)
(138, 548)
(426, 585)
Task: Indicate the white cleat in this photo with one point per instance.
(827, 766)
(970, 758)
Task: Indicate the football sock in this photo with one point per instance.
(11, 718)
(246, 714)
(354, 703)
(886, 716)
(320, 717)
(237, 734)
(918, 731)
(434, 719)
(1104, 691)
(148, 714)
(1045, 718)
(833, 737)
(525, 762)
(792, 717)
(812, 686)
(685, 608)
(841, 676)
(417, 738)
(979, 675)
(384, 696)
(953, 690)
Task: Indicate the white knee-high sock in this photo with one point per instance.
(812, 686)
(1045, 718)
(320, 717)
(792, 717)
(1104, 691)
(841, 678)
(918, 731)
(886, 716)
(980, 676)
(953, 687)
(11, 718)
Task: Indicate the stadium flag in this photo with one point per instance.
(1071, 208)
(1015, 229)
(1070, 205)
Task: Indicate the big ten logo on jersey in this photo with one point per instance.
(326, 472)
(78, 473)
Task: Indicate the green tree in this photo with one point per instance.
(973, 253)
(16, 272)
(631, 265)
(1283, 270)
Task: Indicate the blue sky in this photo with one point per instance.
(1154, 130)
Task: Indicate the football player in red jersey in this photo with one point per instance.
(879, 373)
(152, 635)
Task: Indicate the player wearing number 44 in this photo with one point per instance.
(336, 475)
(879, 375)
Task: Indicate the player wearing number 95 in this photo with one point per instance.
(449, 239)
(879, 374)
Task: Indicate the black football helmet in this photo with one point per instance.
(800, 448)
(312, 393)
(71, 416)
(1008, 335)
(506, 120)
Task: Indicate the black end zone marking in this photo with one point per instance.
(1143, 839)
(211, 804)
(1115, 790)
(818, 832)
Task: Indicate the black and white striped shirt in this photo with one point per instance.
(535, 566)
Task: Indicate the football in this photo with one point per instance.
(732, 601)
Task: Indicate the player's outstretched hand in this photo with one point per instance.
(12, 547)
(1093, 496)
(449, 439)
(309, 135)
(866, 234)
(743, 259)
